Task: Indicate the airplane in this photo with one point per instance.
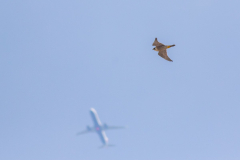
(99, 128)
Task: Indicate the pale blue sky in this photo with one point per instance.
(60, 58)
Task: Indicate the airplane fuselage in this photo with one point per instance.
(98, 126)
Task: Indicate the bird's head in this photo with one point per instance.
(154, 48)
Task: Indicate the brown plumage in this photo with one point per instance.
(162, 49)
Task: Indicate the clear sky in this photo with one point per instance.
(60, 58)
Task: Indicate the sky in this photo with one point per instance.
(60, 58)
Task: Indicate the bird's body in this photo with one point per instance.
(162, 49)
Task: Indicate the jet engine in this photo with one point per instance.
(105, 126)
(89, 128)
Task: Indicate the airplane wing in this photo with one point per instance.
(83, 132)
(107, 127)
(115, 127)
(88, 130)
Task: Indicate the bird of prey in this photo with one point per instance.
(162, 49)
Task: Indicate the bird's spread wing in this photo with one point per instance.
(164, 55)
(156, 43)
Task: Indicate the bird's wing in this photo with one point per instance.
(156, 43)
(164, 55)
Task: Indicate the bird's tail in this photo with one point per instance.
(171, 46)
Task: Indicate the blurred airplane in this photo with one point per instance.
(99, 128)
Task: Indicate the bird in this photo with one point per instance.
(162, 49)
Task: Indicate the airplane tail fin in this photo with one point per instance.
(106, 146)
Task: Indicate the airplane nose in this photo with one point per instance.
(92, 109)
